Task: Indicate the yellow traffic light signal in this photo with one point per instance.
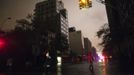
(83, 1)
(84, 4)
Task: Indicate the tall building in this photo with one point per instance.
(76, 42)
(51, 21)
(87, 45)
(120, 17)
(54, 16)
(121, 22)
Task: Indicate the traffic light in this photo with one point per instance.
(84, 4)
(2, 43)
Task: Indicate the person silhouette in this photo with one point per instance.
(90, 61)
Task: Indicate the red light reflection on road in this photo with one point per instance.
(104, 69)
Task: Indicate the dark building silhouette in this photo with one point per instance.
(76, 42)
(120, 17)
(51, 18)
(121, 22)
(87, 45)
(54, 15)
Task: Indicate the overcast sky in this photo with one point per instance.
(88, 21)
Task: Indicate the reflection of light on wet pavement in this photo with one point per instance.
(104, 69)
(59, 70)
(59, 64)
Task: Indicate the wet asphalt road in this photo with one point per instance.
(104, 68)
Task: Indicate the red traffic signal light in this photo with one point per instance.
(2, 43)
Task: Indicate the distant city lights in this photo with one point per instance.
(101, 57)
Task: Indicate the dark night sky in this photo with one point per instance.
(89, 21)
(15, 9)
